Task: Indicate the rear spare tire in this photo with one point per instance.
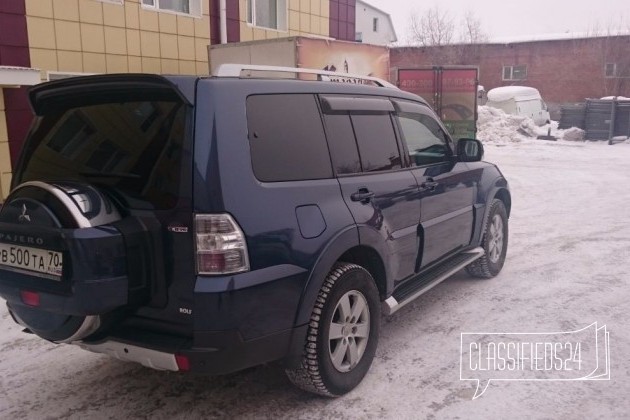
(62, 264)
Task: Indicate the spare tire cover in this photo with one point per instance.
(66, 205)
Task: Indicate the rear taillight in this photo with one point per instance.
(221, 246)
(183, 363)
(30, 298)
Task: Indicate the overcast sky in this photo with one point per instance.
(503, 19)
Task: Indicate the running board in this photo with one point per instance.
(416, 287)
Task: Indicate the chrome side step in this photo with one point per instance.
(416, 287)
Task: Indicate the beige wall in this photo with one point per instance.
(92, 36)
(305, 17)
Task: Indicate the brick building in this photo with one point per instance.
(563, 70)
(43, 40)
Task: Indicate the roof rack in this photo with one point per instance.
(236, 70)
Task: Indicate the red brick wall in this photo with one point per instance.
(563, 70)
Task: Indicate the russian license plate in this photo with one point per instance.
(34, 261)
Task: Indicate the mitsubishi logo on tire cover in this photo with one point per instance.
(24, 217)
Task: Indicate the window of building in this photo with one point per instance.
(187, 7)
(107, 157)
(610, 70)
(71, 135)
(375, 24)
(270, 14)
(514, 72)
(286, 138)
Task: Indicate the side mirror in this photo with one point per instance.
(469, 150)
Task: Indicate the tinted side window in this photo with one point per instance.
(424, 137)
(286, 138)
(377, 142)
(343, 146)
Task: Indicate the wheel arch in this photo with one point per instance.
(504, 195)
(351, 245)
(371, 260)
(345, 247)
(501, 192)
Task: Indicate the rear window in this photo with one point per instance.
(286, 138)
(134, 149)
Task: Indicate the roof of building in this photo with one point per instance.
(557, 37)
(524, 39)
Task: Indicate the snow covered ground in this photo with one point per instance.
(568, 266)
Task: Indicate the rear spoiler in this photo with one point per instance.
(92, 90)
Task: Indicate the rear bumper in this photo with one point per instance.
(177, 354)
(234, 322)
(96, 297)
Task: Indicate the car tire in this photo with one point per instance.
(342, 334)
(494, 243)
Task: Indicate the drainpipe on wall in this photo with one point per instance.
(223, 20)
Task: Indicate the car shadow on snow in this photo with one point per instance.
(112, 388)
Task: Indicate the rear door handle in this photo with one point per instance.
(363, 195)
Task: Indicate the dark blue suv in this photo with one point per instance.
(213, 224)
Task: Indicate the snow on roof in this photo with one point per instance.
(505, 93)
(556, 37)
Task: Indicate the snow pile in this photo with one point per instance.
(496, 126)
(573, 134)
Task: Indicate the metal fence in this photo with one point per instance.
(600, 119)
(572, 116)
(622, 119)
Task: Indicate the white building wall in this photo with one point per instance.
(369, 32)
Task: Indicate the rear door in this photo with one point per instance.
(381, 194)
(446, 188)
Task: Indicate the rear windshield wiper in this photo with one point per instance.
(95, 174)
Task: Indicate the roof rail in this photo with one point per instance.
(236, 70)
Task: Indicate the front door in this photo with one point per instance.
(446, 190)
